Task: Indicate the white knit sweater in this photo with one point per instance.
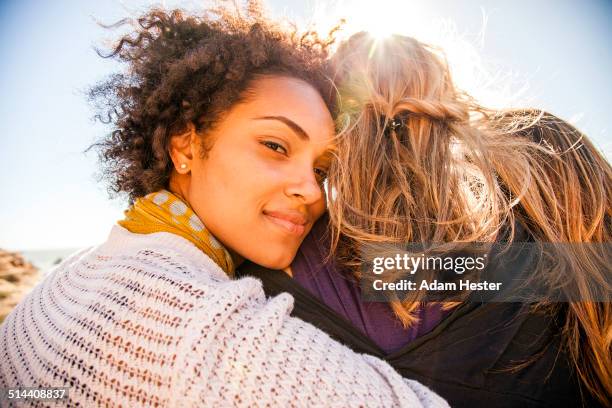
(149, 320)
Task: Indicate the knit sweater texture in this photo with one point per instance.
(150, 320)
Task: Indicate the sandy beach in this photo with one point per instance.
(17, 278)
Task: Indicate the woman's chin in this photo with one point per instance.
(280, 261)
(277, 265)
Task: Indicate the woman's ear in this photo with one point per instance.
(182, 149)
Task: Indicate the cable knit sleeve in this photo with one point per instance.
(252, 353)
(150, 321)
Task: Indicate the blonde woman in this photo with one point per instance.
(419, 161)
(221, 139)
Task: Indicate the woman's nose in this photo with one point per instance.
(305, 187)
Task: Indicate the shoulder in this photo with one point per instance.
(159, 271)
(159, 254)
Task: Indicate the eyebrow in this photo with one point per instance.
(289, 123)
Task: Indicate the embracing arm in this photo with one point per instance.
(254, 353)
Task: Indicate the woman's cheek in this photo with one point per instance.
(319, 208)
(272, 173)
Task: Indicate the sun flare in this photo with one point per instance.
(421, 20)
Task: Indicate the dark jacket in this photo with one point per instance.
(471, 358)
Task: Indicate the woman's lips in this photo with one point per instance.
(293, 222)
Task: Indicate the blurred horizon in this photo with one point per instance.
(551, 54)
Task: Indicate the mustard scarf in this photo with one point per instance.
(163, 211)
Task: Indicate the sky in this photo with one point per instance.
(551, 54)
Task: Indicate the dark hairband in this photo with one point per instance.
(396, 123)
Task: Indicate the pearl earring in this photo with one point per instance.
(183, 166)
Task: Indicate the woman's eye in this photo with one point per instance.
(275, 146)
(321, 174)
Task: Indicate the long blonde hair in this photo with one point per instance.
(420, 161)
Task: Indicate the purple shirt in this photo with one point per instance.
(341, 293)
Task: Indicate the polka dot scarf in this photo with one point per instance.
(165, 212)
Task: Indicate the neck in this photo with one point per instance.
(178, 185)
(238, 259)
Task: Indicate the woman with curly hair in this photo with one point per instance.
(418, 161)
(221, 141)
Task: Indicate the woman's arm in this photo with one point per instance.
(254, 353)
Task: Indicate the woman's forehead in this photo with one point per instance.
(291, 102)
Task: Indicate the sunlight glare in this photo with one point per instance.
(489, 84)
(382, 20)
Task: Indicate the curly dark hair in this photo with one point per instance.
(185, 69)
